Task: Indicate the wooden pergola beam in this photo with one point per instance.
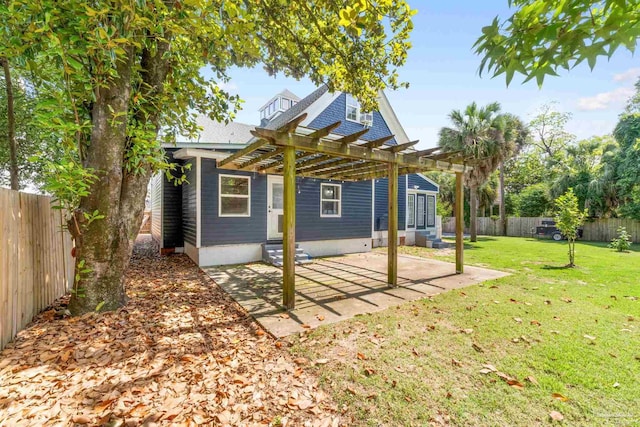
(347, 139)
(400, 147)
(444, 156)
(321, 133)
(375, 143)
(262, 141)
(459, 214)
(291, 125)
(422, 153)
(261, 158)
(392, 232)
(289, 229)
(329, 165)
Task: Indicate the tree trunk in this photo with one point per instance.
(104, 246)
(503, 214)
(473, 214)
(11, 123)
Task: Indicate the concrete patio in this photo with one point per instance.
(338, 288)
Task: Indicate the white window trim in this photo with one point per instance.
(415, 205)
(239, 196)
(339, 200)
(358, 111)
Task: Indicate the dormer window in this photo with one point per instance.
(355, 114)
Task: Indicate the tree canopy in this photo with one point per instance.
(544, 36)
(116, 78)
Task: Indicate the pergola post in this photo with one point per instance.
(289, 228)
(459, 214)
(392, 265)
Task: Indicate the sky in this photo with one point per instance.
(442, 72)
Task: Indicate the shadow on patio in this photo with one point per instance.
(337, 288)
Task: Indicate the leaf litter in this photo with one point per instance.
(181, 352)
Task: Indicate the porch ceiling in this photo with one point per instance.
(322, 154)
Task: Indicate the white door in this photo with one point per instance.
(275, 207)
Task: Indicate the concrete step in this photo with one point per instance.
(273, 253)
(440, 245)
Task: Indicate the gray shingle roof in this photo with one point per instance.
(216, 132)
(297, 109)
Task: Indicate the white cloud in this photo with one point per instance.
(605, 100)
(630, 75)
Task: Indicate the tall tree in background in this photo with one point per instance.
(515, 138)
(11, 124)
(477, 131)
(548, 131)
(545, 36)
(129, 68)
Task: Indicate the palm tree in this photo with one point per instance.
(487, 136)
(516, 137)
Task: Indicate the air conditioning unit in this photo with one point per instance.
(366, 119)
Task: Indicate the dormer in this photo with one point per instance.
(278, 105)
(354, 112)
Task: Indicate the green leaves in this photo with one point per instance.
(543, 36)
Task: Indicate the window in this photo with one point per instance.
(330, 200)
(421, 211)
(353, 109)
(411, 211)
(234, 195)
(354, 113)
(285, 103)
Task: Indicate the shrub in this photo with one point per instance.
(568, 218)
(534, 201)
(622, 243)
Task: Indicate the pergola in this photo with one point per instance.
(294, 151)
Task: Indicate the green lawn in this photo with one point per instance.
(574, 332)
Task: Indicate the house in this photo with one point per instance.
(226, 217)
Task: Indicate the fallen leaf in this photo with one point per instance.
(399, 369)
(515, 384)
(589, 337)
(361, 356)
(532, 380)
(490, 367)
(300, 361)
(556, 416)
(284, 315)
(321, 361)
(456, 362)
(559, 397)
(616, 385)
(477, 348)
(320, 317)
(467, 331)
(351, 390)
(567, 300)
(259, 332)
(517, 319)
(81, 419)
(304, 325)
(368, 372)
(535, 322)
(485, 371)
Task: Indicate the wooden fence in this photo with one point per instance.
(599, 230)
(36, 265)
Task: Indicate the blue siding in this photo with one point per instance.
(337, 111)
(423, 184)
(189, 205)
(381, 221)
(229, 230)
(355, 219)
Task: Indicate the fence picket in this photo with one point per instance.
(35, 259)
